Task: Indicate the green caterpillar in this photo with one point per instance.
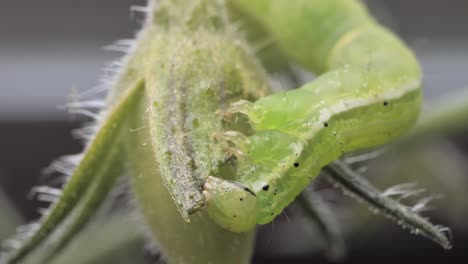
(368, 93)
(186, 66)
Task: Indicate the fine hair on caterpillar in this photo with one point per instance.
(351, 106)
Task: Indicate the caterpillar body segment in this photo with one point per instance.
(368, 93)
(306, 30)
(232, 201)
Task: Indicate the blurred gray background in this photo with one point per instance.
(50, 48)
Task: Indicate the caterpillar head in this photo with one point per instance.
(230, 204)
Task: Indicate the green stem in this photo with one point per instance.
(194, 68)
(352, 182)
(93, 166)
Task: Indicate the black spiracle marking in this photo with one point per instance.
(296, 164)
(385, 103)
(266, 187)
